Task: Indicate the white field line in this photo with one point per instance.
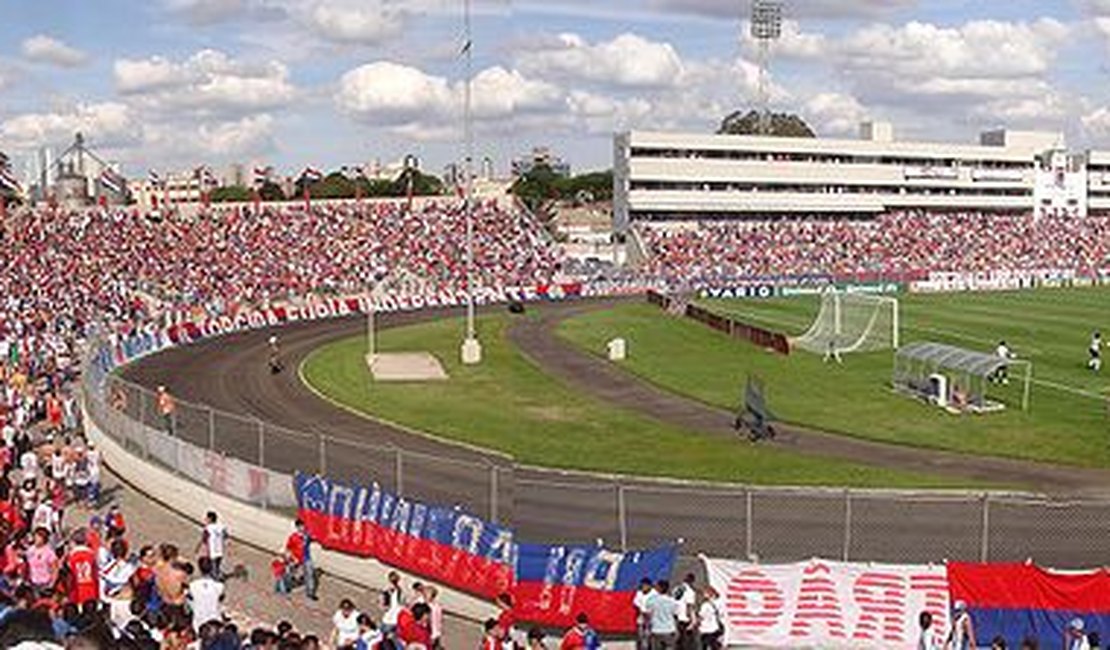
(957, 335)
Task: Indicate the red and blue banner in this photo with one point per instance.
(556, 583)
(1016, 601)
(551, 584)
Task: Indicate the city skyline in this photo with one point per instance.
(173, 83)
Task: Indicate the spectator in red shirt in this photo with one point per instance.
(83, 575)
(506, 619)
(414, 626)
(581, 636)
(491, 640)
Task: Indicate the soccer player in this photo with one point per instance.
(1002, 376)
(1095, 349)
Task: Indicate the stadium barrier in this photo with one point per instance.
(763, 338)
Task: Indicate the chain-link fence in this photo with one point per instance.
(254, 460)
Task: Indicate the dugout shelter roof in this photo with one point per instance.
(940, 355)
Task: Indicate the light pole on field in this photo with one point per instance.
(471, 352)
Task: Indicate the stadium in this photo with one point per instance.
(759, 388)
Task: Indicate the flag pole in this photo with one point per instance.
(471, 348)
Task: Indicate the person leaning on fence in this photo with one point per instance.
(166, 408)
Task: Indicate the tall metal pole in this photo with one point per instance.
(471, 349)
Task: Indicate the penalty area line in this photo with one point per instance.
(1068, 389)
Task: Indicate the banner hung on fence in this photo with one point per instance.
(825, 604)
(444, 544)
(1016, 601)
(551, 584)
(153, 337)
(555, 583)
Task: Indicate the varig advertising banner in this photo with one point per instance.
(824, 604)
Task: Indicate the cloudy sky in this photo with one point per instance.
(169, 84)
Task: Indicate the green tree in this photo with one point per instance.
(334, 186)
(230, 193)
(586, 188)
(782, 125)
(422, 184)
(538, 190)
(271, 191)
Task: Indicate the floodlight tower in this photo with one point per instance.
(766, 28)
(471, 351)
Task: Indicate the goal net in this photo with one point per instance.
(852, 322)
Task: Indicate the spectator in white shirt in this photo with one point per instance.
(710, 620)
(345, 627)
(213, 543)
(206, 595)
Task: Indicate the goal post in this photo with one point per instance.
(852, 322)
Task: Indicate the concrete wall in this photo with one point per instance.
(256, 527)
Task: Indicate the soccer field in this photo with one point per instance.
(1067, 421)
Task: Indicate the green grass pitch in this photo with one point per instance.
(1067, 421)
(509, 404)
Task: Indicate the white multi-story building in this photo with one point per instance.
(176, 188)
(671, 176)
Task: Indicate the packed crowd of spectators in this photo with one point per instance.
(89, 264)
(70, 571)
(891, 244)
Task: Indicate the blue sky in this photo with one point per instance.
(170, 84)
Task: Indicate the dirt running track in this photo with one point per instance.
(230, 374)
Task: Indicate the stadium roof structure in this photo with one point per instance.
(919, 360)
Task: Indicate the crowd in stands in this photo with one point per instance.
(94, 263)
(891, 244)
(70, 571)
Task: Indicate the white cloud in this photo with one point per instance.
(834, 113)
(500, 93)
(627, 60)
(795, 8)
(414, 104)
(250, 136)
(45, 49)
(391, 93)
(363, 24)
(1097, 122)
(106, 124)
(978, 49)
(207, 12)
(209, 82)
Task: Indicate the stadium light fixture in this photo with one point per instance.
(766, 27)
(471, 351)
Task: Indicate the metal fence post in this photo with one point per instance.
(323, 454)
(493, 486)
(211, 428)
(622, 518)
(748, 523)
(984, 548)
(399, 470)
(847, 524)
(261, 444)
